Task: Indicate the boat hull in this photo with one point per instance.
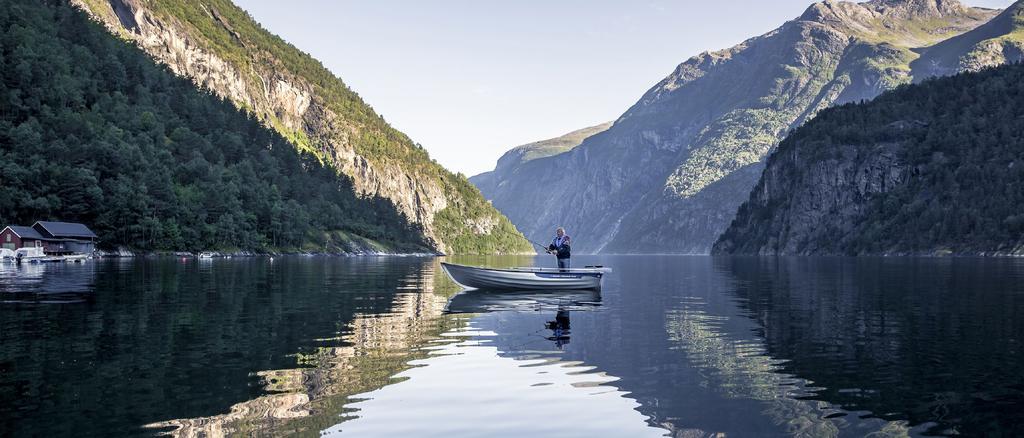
(509, 279)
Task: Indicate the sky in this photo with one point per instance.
(470, 79)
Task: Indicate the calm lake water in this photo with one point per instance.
(678, 346)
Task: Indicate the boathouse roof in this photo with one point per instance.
(26, 232)
(64, 229)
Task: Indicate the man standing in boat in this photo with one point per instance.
(560, 248)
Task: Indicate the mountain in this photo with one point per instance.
(512, 160)
(670, 173)
(92, 130)
(1000, 41)
(934, 168)
(221, 48)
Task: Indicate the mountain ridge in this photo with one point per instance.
(670, 173)
(999, 41)
(521, 154)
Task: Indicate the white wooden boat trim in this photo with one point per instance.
(523, 279)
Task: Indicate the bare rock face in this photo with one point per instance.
(290, 104)
(837, 191)
(668, 176)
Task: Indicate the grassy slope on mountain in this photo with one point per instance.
(956, 183)
(557, 145)
(93, 130)
(230, 33)
(999, 41)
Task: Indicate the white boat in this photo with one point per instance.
(525, 278)
(34, 255)
(31, 255)
(206, 255)
(6, 255)
(76, 258)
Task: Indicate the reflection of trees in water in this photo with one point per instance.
(310, 398)
(741, 368)
(929, 340)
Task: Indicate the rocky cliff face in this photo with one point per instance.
(220, 48)
(823, 196)
(670, 173)
(928, 169)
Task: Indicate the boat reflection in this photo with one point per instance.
(561, 303)
(485, 301)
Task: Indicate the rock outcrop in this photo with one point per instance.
(929, 169)
(670, 173)
(221, 49)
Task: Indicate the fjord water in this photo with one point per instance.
(686, 346)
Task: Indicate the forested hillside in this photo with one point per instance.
(219, 46)
(92, 130)
(935, 168)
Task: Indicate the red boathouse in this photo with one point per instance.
(53, 237)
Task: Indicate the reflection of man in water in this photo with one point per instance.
(559, 328)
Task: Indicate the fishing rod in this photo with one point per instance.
(539, 245)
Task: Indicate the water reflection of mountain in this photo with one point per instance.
(694, 345)
(165, 338)
(933, 341)
(503, 374)
(305, 400)
(677, 342)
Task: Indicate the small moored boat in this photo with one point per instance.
(32, 254)
(525, 278)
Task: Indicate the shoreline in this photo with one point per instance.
(127, 253)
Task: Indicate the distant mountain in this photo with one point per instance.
(221, 48)
(1000, 41)
(934, 168)
(93, 130)
(514, 158)
(669, 175)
